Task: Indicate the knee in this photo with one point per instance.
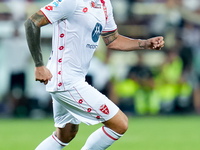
(124, 125)
(119, 123)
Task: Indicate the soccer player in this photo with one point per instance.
(77, 25)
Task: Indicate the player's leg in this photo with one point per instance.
(66, 129)
(93, 107)
(119, 123)
(60, 138)
(101, 109)
(51, 143)
(108, 134)
(67, 133)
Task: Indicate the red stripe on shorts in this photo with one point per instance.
(88, 104)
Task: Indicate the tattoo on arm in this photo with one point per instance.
(141, 45)
(32, 28)
(109, 37)
(39, 19)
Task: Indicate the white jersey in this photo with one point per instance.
(77, 27)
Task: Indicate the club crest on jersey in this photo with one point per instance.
(104, 109)
(96, 32)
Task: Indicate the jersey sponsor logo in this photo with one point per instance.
(96, 32)
(90, 46)
(49, 8)
(104, 109)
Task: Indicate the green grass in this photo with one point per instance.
(144, 133)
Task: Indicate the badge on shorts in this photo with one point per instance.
(104, 109)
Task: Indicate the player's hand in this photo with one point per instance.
(42, 74)
(155, 43)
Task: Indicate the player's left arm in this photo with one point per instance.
(115, 41)
(32, 28)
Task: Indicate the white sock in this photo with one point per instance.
(51, 143)
(101, 139)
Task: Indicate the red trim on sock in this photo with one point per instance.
(56, 140)
(108, 134)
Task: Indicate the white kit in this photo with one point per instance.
(77, 27)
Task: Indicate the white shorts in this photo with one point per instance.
(82, 103)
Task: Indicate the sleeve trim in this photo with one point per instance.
(110, 30)
(46, 16)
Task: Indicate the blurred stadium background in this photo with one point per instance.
(144, 83)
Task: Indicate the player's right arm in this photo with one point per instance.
(32, 28)
(115, 41)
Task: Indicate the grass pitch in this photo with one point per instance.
(144, 133)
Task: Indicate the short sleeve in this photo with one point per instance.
(59, 9)
(110, 24)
